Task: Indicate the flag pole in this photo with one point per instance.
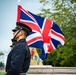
(19, 2)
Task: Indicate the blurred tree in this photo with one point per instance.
(63, 12)
(1, 53)
(1, 64)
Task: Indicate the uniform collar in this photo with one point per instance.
(21, 41)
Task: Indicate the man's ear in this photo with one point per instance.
(22, 32)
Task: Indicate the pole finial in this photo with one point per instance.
(19, 1)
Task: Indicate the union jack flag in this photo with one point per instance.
(45, 34)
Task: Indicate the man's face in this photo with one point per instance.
(17, 36)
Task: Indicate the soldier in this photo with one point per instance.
(18, 60)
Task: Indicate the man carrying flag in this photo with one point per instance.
(45, 35)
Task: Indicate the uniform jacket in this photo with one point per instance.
(18, 60)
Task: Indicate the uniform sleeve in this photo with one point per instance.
(17, 60)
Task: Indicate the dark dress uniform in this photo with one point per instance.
(18, 60)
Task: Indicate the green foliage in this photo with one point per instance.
(1, 64)
(1, 53)
(63, 12)
(2, 73)
(39, 51)
(63, 56)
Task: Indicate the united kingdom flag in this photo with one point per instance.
(45, 34)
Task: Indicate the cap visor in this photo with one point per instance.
(14, 30)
